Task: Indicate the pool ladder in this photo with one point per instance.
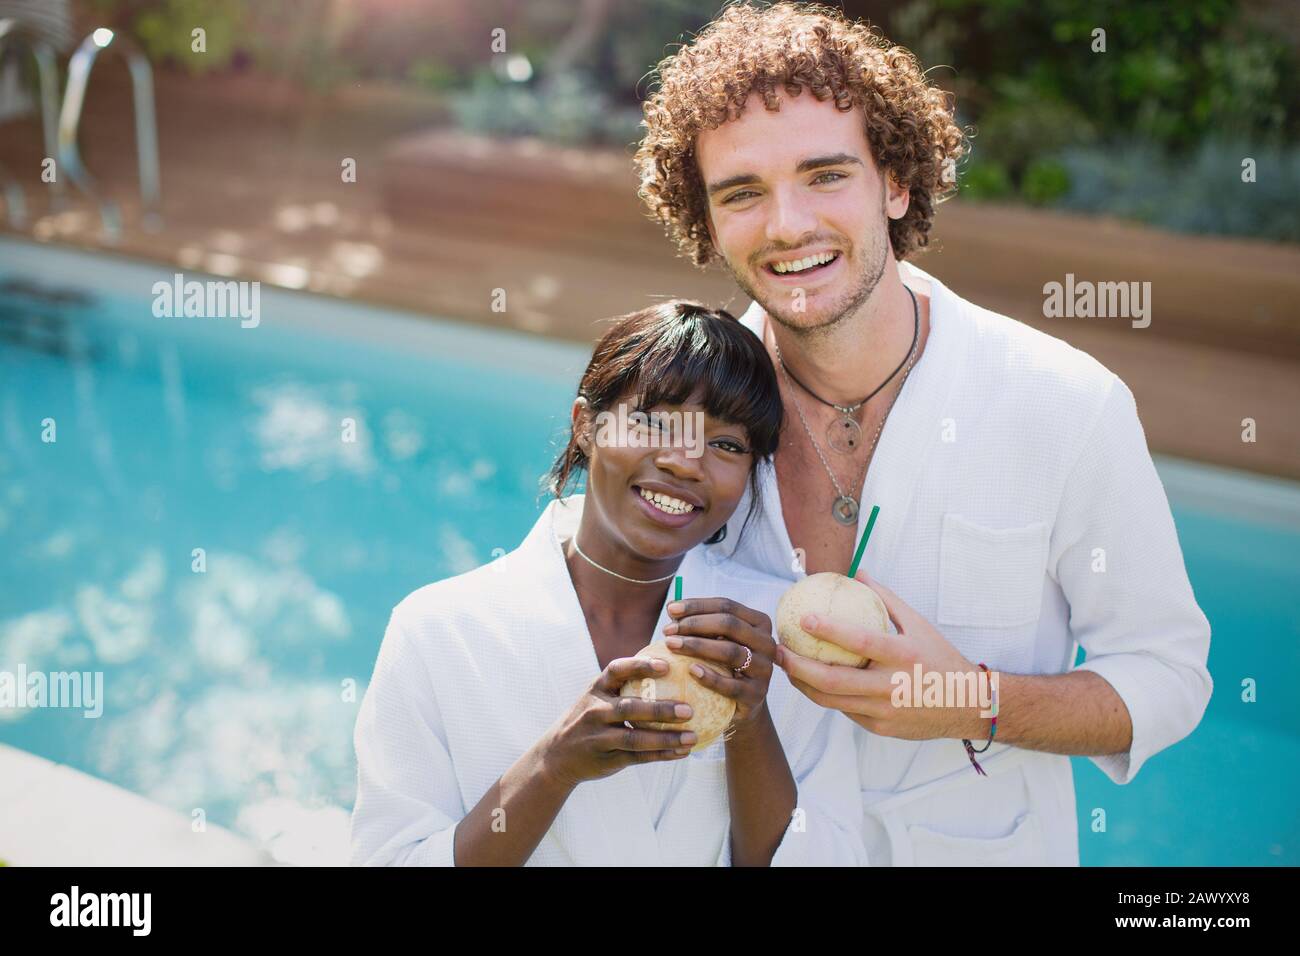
(47, 78)
(146, 129)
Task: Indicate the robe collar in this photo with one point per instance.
(615, 806)
(909, 436)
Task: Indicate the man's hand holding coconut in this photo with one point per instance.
(864, 692)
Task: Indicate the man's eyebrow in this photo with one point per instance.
(816, 162)
(744, 179)
(835, 159)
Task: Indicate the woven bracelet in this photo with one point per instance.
(970, 748)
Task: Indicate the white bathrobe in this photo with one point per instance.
(1022, 516)
(475, 669)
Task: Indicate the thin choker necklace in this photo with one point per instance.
(621, 577)
(845, 434)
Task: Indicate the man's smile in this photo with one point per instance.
(800, 270)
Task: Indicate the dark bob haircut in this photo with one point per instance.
(664, 354)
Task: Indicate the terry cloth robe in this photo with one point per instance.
(473, 671)
(1022, 516)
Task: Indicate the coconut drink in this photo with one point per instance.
(712, 711)
(833, 596)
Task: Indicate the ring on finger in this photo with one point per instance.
(749, 659)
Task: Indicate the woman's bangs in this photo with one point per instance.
(700, 354)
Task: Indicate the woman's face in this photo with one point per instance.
(662, 479)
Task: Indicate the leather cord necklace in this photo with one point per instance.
(845, 507)
(844, 434)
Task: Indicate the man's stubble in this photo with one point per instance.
(873, 268)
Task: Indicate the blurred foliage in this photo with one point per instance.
(438, 46)
(1201, 191)
(300, 40)
(1025, 121)
(568, 109)
(1041, 105)
(165, 32)
(1142, 129)
(164, 29)
(1045, 181)
(1173, 71)
(982, 179)
(567, 103)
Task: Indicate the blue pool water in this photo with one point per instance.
(226, 689)
(1230, 793)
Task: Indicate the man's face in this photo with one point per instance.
(793, 185)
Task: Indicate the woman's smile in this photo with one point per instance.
(665, 508)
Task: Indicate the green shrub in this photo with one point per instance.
(302, 40)
(1045, 181)
(1173, 72)
(984, 180)
(165, 33)
(1025, 123)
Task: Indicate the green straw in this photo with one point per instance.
(862, 544)
(677, 588)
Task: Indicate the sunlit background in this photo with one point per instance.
(438, 200)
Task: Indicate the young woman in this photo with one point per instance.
(492, 731)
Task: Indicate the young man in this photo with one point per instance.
(1020, 514)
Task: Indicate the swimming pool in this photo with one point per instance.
(227, 689)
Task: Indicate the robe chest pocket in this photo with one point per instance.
(990, 578)
(1022, 847)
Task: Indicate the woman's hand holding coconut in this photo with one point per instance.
(594, 739)
(738, 639)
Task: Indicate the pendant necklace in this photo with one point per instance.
(845, 434)
(845, 507)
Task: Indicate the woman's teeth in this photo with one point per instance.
(800, 265)
(666, 503)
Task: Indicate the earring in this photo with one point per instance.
(717, 536)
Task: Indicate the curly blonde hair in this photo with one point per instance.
(790, 47)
